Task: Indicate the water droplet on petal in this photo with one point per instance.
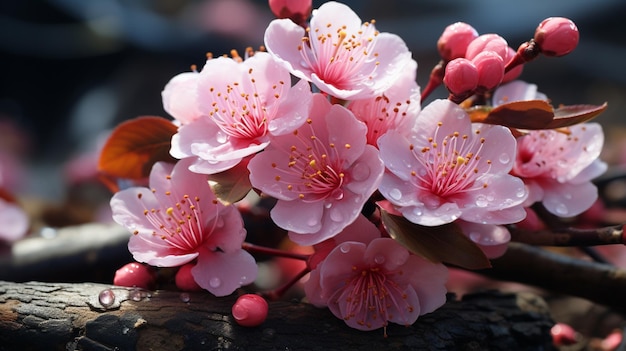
(221, 137)
(345, 248)
(215, 282)
(379, 259)
(395, 194)
(337, 194)
(360, 172)
(561, 209)
(417, 211)
(311, 222)
(328, 205)
(521, 192)
(504, 158)
(336, 216)
(184, 297)
(272, 126)
(481, 201)
(106, 298)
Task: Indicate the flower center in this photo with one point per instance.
(451, 164)
(242, 113)
(370, 295)
(337, 56)
(180, 225)
(313, 168)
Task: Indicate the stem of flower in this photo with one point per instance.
(435, 80)
(252, 248)
(280, 291)
(570, 236)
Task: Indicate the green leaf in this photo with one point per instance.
(445, 243)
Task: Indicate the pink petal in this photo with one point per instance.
(282, 38)
(15, 222)
(567, 200)
(180, 97)
(298, 216)
(222, 273)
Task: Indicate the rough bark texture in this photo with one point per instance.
(53, 316)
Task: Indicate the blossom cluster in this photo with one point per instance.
(329, 123)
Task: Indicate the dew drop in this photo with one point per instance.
(336, 216)
(395, 194)
(345, 248)
(184, 297)
(504, 158)
(135, 294)
(481, 201)
(106, 298)
(337, 194)
(125, 330)
(328, 205)
(561, 209)
(215, 282)
(379, 259)
(272, 126)
(360, 172)
(219, 223)
(220, 137)
(417, 211)
(521, 192)
(311, 222)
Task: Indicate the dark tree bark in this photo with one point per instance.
(54, 316)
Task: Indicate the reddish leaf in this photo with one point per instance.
(566, 116)
(234, 184)
(529, 114)
(444, 243)
(135, 145)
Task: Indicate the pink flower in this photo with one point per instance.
(322, 174)
(370, 283)
(396, 108)
(448, 168)
(341, 55)
(242, 104)
(557, 167)
(180, 97)
(180, 220)
(14, 221)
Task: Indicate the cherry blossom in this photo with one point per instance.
(242, 104)
(556, 165)
(322, 174)
(15, 222)
(180, 97)
(396, 108)
(179, 220)
(338, 53)
(372, 281)
(448, 168)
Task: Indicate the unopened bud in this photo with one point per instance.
(556, 36)
(135, 275)
(563, 334)
(250, 310)
(461, 77)
(296, 10)
(184, 280)
(455, 39)
(490, 68)
(487, 42)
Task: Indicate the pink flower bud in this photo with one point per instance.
(461, 77)
(184, 280)
(250, 310)
(563, 334)
(135, 274)
(556, 36)
(455, 39)
(296, 10)
(487, 42)
(490, 68)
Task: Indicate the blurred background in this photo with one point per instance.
(70, 70)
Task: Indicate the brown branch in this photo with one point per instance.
(568, 236)
(52, 316)
(600, 283)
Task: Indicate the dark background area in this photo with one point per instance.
(72, 69)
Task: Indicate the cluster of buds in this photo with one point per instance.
(477, 64)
